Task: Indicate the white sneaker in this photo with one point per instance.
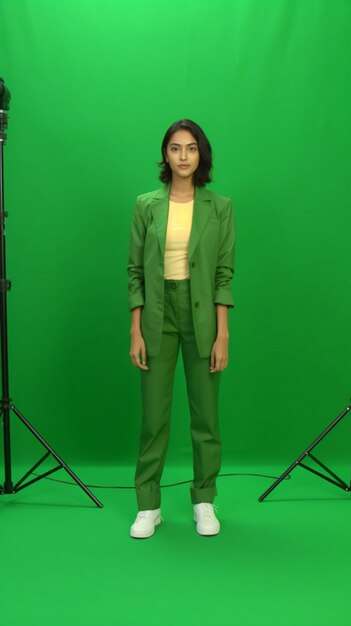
(145, 522)
(205, 518)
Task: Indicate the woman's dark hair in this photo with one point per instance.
(202, 175)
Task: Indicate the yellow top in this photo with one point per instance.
(180, 215)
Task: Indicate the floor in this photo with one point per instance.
(282, 562)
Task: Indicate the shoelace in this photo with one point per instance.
(207, 509)
(143, 514)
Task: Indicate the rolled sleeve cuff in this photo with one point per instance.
(135, 300)
(223, 296)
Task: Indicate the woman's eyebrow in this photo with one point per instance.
(193, 143)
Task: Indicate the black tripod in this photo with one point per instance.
(5, 403)
(331, 478)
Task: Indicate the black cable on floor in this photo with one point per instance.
(183, 482)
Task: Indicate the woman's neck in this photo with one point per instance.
(181, 189)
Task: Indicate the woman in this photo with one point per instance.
(181, 259)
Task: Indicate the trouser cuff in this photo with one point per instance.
(148, 500)
(202, 495)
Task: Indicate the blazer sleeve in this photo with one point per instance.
(136, 290)
(225, 261)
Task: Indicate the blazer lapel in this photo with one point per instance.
(159, 211)
(201, 213)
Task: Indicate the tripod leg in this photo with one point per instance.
(278, 481)
(56, 456)
(305, 453)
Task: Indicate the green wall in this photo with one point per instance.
(94, 85)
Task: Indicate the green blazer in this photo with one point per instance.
(211, 263)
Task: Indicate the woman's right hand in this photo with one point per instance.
(137, 350)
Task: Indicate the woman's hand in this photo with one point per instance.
(137, 349)
(219, 354)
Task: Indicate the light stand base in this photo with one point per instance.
(9, 488)
(335, 480)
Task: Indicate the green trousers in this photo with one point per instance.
(156, 393)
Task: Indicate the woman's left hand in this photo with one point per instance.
(219, 354)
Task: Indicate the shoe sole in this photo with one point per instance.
(207, 533)
(144, 534)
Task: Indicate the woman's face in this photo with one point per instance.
(182, 154)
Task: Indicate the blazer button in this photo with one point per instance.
(193, 264)
(197, 304)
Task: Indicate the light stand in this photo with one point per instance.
(332, 478)
(6, 405)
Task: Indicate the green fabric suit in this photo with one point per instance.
(180, 313)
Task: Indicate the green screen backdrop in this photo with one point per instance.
(95, 84)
